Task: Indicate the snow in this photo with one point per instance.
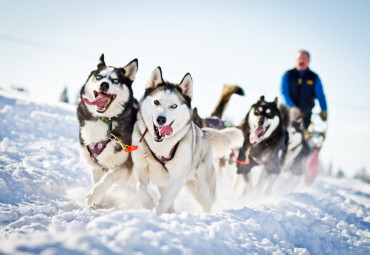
(43, 183)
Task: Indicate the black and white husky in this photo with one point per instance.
(265, 139)
(298, 149)
(174, 152)
(107, 114)
(298, 152)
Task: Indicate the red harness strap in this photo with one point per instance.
(134, 147)
(238, 161)
(164, 160)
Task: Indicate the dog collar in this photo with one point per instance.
(108, 122)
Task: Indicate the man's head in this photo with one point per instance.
(302, 60)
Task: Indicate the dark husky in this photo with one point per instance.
(298, 149)
(265, 139)
(107, 114)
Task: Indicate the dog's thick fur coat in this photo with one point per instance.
(167, 106)
(107, 94)
(265, 138)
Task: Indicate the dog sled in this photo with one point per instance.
(315, 136)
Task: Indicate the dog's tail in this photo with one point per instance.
(224, 140)
(226, 94)
(284, 113)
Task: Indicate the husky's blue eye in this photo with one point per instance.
(115, 81)
(174, 106)
(99, 77)
(156, 102)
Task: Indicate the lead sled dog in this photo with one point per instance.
(107, 114)
(173, 152)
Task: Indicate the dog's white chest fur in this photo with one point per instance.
(94, 132)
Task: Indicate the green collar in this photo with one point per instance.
(108, 122)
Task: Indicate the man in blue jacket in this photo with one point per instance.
(300, 87)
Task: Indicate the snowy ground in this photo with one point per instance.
(43, 184)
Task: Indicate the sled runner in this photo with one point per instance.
(315, 136)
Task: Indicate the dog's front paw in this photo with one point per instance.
(148, 204)
(93, 198)
(159, 209)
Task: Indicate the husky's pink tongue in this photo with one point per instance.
(253, 136)
(98, 100)
(166, 130)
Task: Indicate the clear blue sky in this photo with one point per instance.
(47, 45)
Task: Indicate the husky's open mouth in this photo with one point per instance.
(102, 101)
(257, 134)
(161, 131)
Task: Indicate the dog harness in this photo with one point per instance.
(98, 148)
(164, 160)
(239, 161)
(261, 161)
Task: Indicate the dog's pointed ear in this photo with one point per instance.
(262, 98)
(276, 100)
(155, 78)
(131, 69)
(101, 61)
(186, 85)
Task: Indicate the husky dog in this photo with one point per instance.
(298, 149)
(174, 152)
(107, 114)
(265, 139)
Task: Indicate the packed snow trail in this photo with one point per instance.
(43, 183)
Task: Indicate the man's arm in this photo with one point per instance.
(285, 91)
(319, 93)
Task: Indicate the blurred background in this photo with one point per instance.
(48, 48)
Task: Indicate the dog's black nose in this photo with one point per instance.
(161, 120)
(260, 122)
(104, 87)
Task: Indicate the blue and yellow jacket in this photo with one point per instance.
(301, 88)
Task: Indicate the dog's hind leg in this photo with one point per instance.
(99, 188)
(220, 167)
(201, 194)
(203, 189)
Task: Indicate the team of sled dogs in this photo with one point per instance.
(162, 140)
